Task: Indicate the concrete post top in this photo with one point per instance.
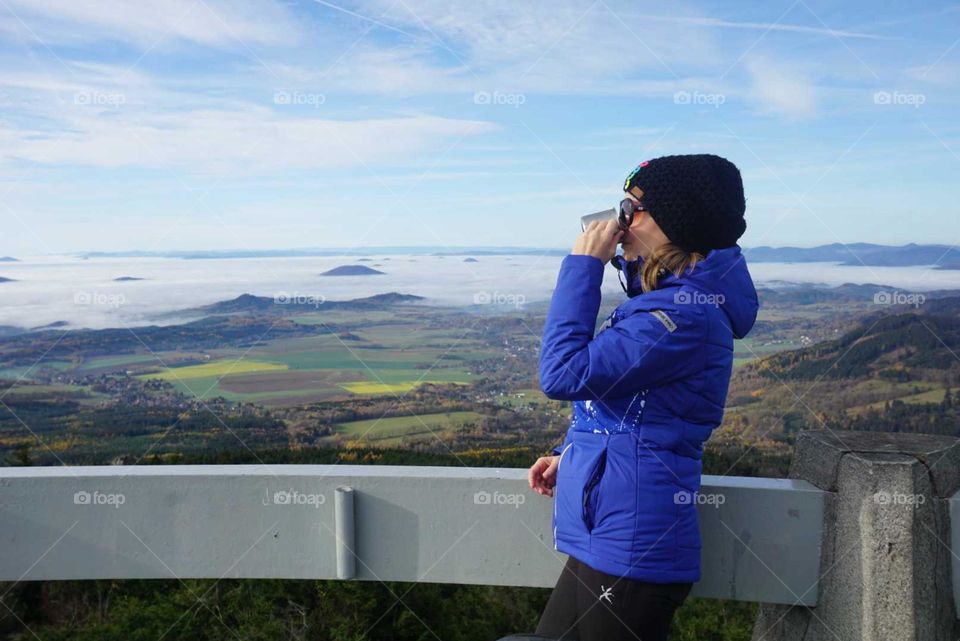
(818, 453)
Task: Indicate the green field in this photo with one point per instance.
(375, 387)
(928, 394)
(748, 349)
(24, 372)
(382, 358)
(112, 362)
(529, 397)
(28, 391)
(366, 353)
(392, 430)
(215, 369)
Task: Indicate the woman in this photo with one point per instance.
(647, 390)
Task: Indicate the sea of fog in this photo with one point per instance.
(83, 292)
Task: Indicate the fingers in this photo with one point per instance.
(541, 475)
(603, 226)
(533, 474)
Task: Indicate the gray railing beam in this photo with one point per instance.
(436, 524)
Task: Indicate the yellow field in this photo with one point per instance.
(215, 369)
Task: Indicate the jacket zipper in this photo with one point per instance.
(588, 489)
(559, 461)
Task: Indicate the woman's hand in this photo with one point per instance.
(543, 475)
(599, 240)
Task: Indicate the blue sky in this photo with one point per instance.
(209, 124)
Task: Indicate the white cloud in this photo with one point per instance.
(208, 22)
(561, 47)
(763, 26)
(255, 140)
(942, 73)
(780, 87)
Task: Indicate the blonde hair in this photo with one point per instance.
(666, 258)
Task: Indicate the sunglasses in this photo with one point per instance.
(628, 208)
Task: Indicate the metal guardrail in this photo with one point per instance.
(954, 505)
(761, 537)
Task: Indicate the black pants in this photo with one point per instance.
(589, 605)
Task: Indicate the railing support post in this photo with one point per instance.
(345, 528)
(885, 562)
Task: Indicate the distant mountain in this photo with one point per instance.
(786, 293)
(364, 252)
(946, 306)
(10, 330)
(6, 280)
(125, 279)
(881, 346)
(505, 251)
(806, 294)
(913, 254)
(53, 325)
(352, 270)
(247, 303)
(242, 303)
(212, 332)
(8, 259)
(943, 256)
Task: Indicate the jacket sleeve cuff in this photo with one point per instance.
(578, 284)
(592, 265)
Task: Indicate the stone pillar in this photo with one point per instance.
(885, 562)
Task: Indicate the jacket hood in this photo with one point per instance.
(723, 274)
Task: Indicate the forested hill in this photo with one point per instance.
(890, 346)
(283, 302)
(892, 372)
(912, 254)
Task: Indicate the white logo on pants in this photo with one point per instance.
(606, 594)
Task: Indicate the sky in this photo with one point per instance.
(254, 124)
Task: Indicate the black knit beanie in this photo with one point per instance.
(696, 199)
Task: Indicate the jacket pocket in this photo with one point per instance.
(590, 491)
(578, 478)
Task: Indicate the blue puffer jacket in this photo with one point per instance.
(648, 390)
